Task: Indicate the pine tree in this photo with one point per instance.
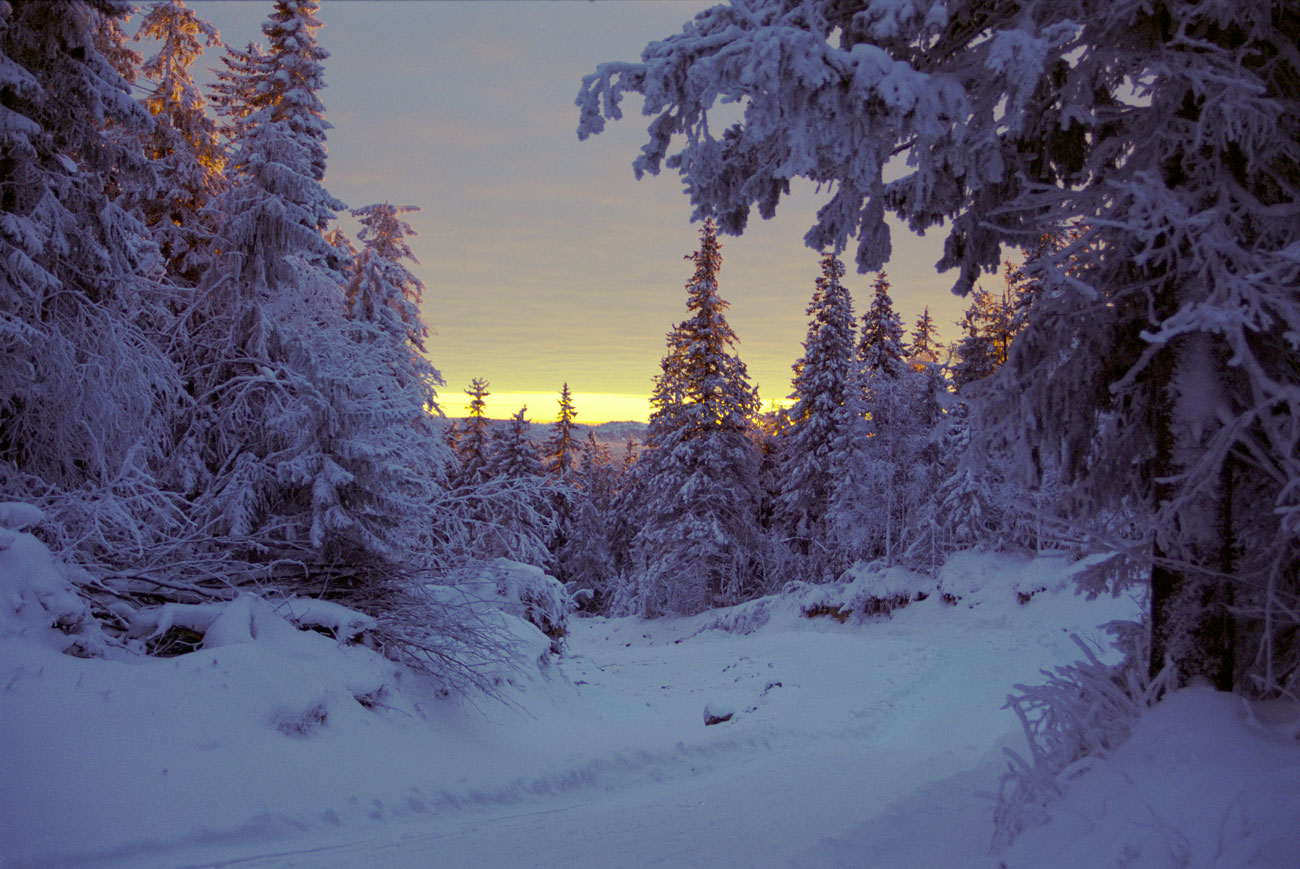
(698, 543)
(826, 383)
(559, 449)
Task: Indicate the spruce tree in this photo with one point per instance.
(278, 209)
(585, 558)
(881, 348)
(472, 445)
(511, 453)
(184, 144)
(976, 350)
(925, 346)
(894, 392)
(826, 383)
(85, 391)
(382, 290)
(698, 543)
(293, 451)
(560, 447)
(990, 325)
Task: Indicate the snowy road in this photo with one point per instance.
(852, 745)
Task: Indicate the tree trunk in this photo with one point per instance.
(1192, 627)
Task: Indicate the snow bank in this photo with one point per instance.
(37, 597)
(1205, 779)
(974, 578)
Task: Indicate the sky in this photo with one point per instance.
(544, 260)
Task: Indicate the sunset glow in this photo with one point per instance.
(593, 407)
(543, 258)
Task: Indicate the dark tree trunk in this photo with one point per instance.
(1192, 626)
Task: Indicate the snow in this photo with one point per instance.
(718, 711)
(1201, 782)
(35, 593)
(868, 741)
(18, 516)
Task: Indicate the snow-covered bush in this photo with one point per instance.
(1081, 713)
(523, 591)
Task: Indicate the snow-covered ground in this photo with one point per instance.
(876, 742)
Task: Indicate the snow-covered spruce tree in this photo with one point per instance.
(924, 542)
(472, 440)
(278, 204)
(388, 440)
(510, 506)
(899, 402)
(989, 326)
(825, 383)
(283, 81)
(233, 93)
(511, 453)
(977, 498)
(382, 290)
(310, 460)
(85, 392)
(976, 353)
(110, 42)
(881, 346)
(585, 560)
(925, 347)
(1162, 366)
(698, 542)
(560, 448)
(623, 519)
(559, 453)
(183, 144)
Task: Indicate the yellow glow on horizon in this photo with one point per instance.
(592, 408)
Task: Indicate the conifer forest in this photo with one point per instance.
(1019, 590)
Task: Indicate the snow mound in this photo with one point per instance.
(1202, 781)
(867, 589)
(520, 590)
(338, 621)
(17, 516)
(36, 591)
(718, 711)
(248, 618)
(995, 580)
(976, 577)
